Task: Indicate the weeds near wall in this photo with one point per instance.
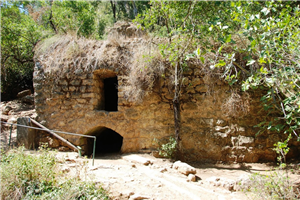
(278, 184)
(26, 176)
(168, 149)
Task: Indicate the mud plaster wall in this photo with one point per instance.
(73, 104)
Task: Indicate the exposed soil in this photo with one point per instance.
(127, 179)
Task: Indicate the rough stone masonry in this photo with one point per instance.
(90, 102)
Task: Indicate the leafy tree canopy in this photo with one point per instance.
(19, 35)
(254, 43)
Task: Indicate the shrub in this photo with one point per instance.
(26, 176)
(276, 185)
(168, 149)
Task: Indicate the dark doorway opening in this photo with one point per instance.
(107, 141)
(111, 94)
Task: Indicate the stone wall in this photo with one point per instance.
(75, 103)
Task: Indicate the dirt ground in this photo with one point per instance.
(127, 178)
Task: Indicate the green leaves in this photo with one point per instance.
(255, 44)
(19, 34)
(75, 16)
(265, 11)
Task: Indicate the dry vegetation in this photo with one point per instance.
(137, 59)
(236, 105)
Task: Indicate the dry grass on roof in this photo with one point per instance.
(137, 60)
(65, 53)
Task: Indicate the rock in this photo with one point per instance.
(62, 148)
(222, 182)
(138, 197)
(127, 194)
(65, 169)
(25, 136)
(12, 120)
(192, 178)
(4, 118)
(29, 99)
(162, 170)
(156, 154)
(184, 168)
(72, 157)
(6, 110)
(23, 93)
(51, 141)
(137, 159)
(243, 182)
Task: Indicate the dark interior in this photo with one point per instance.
(107, 141)
(111, 94)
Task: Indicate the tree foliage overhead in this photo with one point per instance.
(24, 23)
(19, 35)
(255, 44)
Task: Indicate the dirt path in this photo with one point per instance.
(128, 180)
(125, 179)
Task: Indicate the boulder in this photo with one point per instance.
(6, 110)
(184, 168)
(29, 99)
(137, 159)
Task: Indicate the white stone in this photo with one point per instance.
(184, 168)
(12, 120)
(137, 159)
(61, 123)
(192, 178)
(138, 197)
(222, 182)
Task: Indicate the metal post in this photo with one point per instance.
(79, 151)
(94, 149)
(10, 135)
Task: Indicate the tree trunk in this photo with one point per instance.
(135, 11)
(51, 18)
(176, 108)
(113, 6)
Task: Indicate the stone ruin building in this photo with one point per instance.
(83, 92)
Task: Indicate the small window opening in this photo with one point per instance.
(111, 94)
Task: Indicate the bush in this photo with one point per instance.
(168, 149)
(276, 185)
(25, 176)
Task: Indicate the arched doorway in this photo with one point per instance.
(107, 141)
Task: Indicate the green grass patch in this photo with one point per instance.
(26, 176)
